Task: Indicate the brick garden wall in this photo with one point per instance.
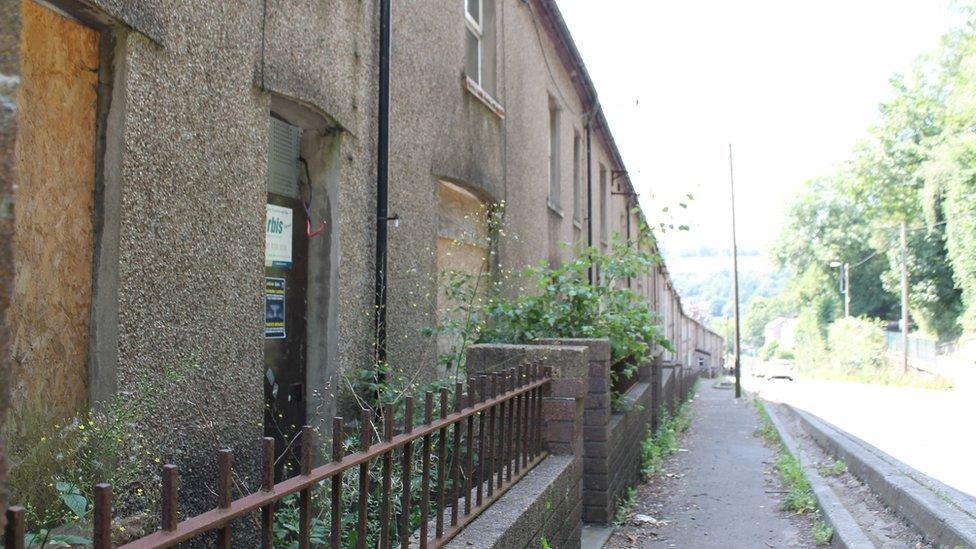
(548, 502)
(627, 429)
(595, 452)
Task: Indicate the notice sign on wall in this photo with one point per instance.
(274, 308)
(277, 237)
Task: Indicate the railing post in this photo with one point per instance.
(102, 517)
(225, 466)
(14, 534)
(170, 514)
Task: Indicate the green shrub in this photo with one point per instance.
(557, 302)
(856, 344)
(768, 350)
(811, 341)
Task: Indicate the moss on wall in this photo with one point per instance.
(55, 162)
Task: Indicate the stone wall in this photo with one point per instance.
(627, 429)
(544, 504)
(596, 427)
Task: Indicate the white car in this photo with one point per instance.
(774, 369)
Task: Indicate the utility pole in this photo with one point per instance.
(735, 283)
(904, 296)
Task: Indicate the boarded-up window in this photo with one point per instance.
(55, 154)
(462, 248)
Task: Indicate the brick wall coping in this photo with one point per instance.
(518, 518)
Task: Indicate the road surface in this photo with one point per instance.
(931, 431)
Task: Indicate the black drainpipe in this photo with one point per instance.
(589, 191)
(627, 214)
(382, 181)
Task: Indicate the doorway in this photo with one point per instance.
(286, 291)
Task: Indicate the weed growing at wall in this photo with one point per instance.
(55, 464)
(662, 443)
(625, 507)
(835, 469)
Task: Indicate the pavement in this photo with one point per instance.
(926, 429)
(725, 493)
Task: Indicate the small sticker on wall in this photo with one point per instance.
(274, 308)
(277, 236)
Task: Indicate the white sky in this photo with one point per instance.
(791, 84)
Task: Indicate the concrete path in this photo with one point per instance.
(722, 491)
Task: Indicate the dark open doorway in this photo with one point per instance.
(286, 290)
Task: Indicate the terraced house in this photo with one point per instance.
(226, 209)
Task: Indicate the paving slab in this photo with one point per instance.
(721, 490)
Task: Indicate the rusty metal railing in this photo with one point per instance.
(496, 440)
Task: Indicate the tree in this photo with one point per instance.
(950, 186)
(760, 312)
(826, 225)
(915, 166)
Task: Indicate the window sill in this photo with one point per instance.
(555, 209)
(486, 99)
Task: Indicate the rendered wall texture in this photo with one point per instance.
(185, 161)
(195, 86)
(55, 151)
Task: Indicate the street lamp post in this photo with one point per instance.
(845, 284)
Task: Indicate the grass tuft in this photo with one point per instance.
(822, 533)
(835, 469)
(659, 445)
(625, 507)
(799, 496)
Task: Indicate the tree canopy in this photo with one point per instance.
(916, 165)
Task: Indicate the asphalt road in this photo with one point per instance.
(929, 430)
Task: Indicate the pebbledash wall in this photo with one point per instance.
(164, 246)
(181, 100)
(486, 132)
